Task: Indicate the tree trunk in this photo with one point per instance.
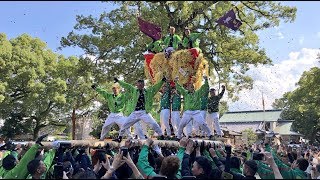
(36, 132)
(73, 118)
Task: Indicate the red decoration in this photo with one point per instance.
(148, 58)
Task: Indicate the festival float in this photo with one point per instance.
(188, 65)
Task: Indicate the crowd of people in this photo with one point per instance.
(144, 159)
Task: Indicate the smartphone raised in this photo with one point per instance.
(124, 151)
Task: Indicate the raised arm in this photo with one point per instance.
(155, 88)
(264, 171)
(285, 170)
(222, 92)
(143, 163)
(126, 86)
(180, 89)
(20, 171)
(49, 159)
(204, 89)
(103, 93)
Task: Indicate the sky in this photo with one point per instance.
(293, 47)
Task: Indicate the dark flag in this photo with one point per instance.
(230, 20)
(149, 29)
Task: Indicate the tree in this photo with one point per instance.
(31, 90)
(252, 137)
(79, 75)
(303, 105)
(117, 44)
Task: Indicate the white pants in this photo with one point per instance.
(196, 125)
(213, 120)
(175, 121)
(113, 118)
(186, 118)
(164, 121)
(135, 117)
(140, 130)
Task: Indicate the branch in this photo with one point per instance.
(47, 109)
(169, 13)
(209, 20)
(257, 10)
(238, 12)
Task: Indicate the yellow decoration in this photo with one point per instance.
(179, 65)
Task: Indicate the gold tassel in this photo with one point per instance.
(179, 66)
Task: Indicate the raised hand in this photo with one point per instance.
(183, 142)
(212, 152)
(149, 142)
(40, 139)
(118, 161)
(190, 147)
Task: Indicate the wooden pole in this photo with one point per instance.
(97, 143)
(73, 118)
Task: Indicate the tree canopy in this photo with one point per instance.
(40, 88)
(303, 105)
(116, 42)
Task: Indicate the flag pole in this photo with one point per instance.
(263, 105)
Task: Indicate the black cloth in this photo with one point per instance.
(141, 101)
(213, 102)
(115, 102)
(171, 41)
(190, 43)
(185, 168)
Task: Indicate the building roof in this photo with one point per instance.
(285, 129)
(251, 116)
(234, 133)
(239, 127)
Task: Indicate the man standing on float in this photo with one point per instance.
(171, 42)
(192, 106)
(175, 112)
(165, 109)
(116, 104)
(213, 110)
(140, 105)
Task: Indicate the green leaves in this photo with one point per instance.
(302, 104)
(115, 38)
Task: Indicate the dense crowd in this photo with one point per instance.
(146, 160)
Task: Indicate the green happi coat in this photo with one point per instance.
(20, 171)
(175, 43)
(156, 46)
(115, 103)
(265, 172)
(133, 93)
(192, 101)
(165, 98)
(176, 102)
(144, 165)
(192, 39)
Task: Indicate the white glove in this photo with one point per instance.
(157, 149)
(56, 144)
